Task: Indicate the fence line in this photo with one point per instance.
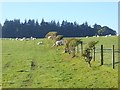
(103, 50)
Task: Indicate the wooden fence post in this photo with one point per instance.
(113, 57)
(101, 54)
(94, 54)
(77, 47)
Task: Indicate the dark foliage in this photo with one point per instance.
(31, 28)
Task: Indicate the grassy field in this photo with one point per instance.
(51, 68)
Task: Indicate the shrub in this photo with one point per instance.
(59, 37)
(52, 34)
(87, 51)
(70, 45)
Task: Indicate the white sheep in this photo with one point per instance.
(58, 43)
(16, 39)
(117, 34)
(106, 36)
(109, 35)
(21, 39)
(86, 36)
(49, 37)
(97, 35)
(39, 43)
(33, 38)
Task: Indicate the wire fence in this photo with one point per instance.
(106, 56)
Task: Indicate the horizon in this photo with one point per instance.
(101, 13)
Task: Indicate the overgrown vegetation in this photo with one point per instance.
(52, 34)
(88, 51)
(59, 37)
(70, 45)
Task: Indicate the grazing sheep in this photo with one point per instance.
(117, 34)
(49, 37)
(109, 35)
(86, 36)
(59, 43)
(39, 43)
(16, 39)
(21, 39)
(97, 35)
(33, 38)
(24, 38)
(106, 36)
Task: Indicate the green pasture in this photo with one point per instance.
(28, 65)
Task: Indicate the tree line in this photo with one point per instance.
(32, 28)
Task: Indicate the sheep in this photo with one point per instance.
(16, 39)
(86, 36)
(117, 34)
(59, 43)
(97, 35)
(39, 43)
(106, 36)
(33, 38)
(109, 35)
(21, 39)
(49, 37)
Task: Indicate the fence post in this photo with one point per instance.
(94, 54)
(101, 54)
(77, 47)
(113, 57)
(81, 48)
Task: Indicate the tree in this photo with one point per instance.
(42, 22)
(101, 31)
(58, 24)
(88, 51)
(37, 23)
(96, 27)
(15, 28)
(0, 30)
